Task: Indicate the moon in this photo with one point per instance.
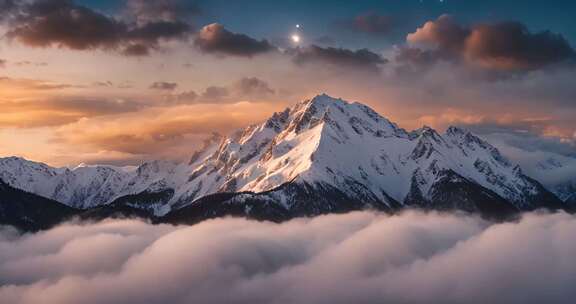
(295, 38)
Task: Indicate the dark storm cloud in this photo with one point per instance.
(501, 46)
(370, 23)
(214, 38)
(65, 24)
(351, 258)
(363, 59)
(165, 86)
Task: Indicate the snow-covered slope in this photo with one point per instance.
(322, 147)
(81, 187)
(90, 186)
(350, 147)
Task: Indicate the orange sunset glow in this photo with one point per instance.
(287, 151)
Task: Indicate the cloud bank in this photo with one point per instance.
(505, 45)
(363, 59)
(66, 24)
(357, 257)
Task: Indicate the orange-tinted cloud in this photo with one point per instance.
(501, 46)
(169, 132)
(31, 103)
(509, 45)
(9, 86)
(52, 111)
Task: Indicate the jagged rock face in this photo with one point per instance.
(322, 155)
(454, 192)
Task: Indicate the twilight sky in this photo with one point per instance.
(122, 81)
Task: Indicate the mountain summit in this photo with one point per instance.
(321, 155)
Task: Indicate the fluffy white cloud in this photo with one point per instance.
(353, 258)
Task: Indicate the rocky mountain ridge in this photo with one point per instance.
(321, 155)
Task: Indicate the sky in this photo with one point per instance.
(125, 81)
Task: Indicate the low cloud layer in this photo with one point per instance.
(59, 111)
(356, 257)
(169, 132)
(250, 89)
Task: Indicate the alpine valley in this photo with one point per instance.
(322, 155)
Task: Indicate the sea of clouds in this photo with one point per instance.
(360, 257)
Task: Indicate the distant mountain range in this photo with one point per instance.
(320, 156)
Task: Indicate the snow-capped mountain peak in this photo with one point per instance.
(322, 145)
